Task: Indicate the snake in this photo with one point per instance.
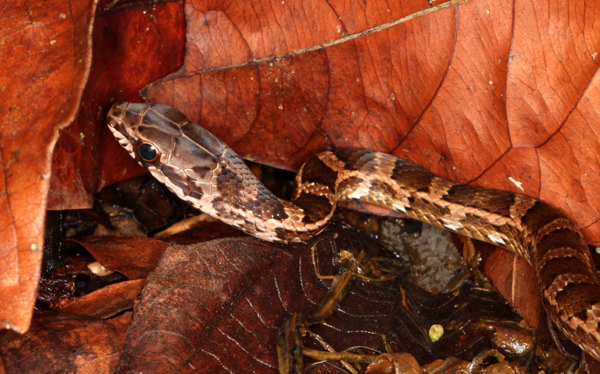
(205, 172)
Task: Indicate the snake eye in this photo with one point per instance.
(148, 152)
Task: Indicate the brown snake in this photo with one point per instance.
(206, 173)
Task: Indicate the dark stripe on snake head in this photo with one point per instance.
(177, 178)
(199, 173)
(203, 162)
(191, 154)
(204, 138)
(156, 120)
(197, 193)
(164, 144)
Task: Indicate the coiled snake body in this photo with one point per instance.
(205, 172)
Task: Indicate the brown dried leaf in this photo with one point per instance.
(63, 342)
(394, 363)
(515, 279)
(492, 93)
(219, 306)
(197, 310)
(132, 47)
(45, 54)
(130, 255)
(107, 301)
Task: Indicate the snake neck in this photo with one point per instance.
(237, 197)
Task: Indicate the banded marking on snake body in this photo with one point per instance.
(564, 252)
(204, 171)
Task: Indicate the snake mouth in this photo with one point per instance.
(123, 140)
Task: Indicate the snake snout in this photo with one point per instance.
(115, 114)
(116, 120)
(112, 122)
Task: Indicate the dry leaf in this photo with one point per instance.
(494, 93)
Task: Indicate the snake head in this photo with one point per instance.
(176, 151)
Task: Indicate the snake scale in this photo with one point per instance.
(206, 173)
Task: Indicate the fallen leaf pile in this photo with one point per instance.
(501, 94)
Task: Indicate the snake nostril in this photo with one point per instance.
(116, 112)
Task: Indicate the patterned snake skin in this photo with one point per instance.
(205, 172)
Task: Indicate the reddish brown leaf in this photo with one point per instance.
(133, 46)
(107, 301)
(153, 206)
(516, 281)
(493, 93)
(177, 317)
(342, 95)
(202, 232)
(45, 54)
(219, 306)
(394, 363)
(120, 324)
(65, 343)
(133, 256)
